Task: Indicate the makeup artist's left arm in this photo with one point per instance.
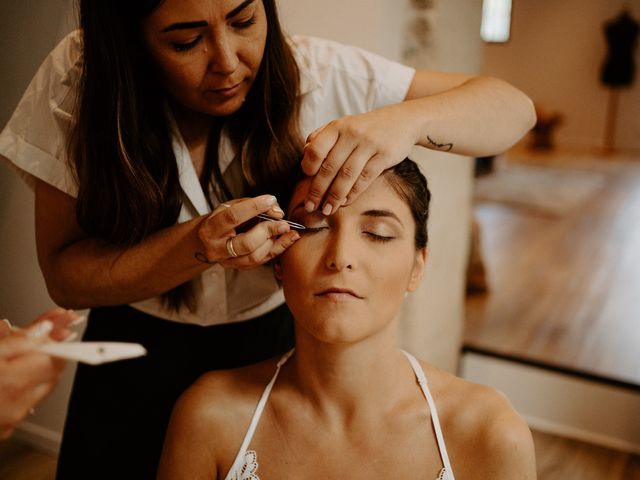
(469, 115)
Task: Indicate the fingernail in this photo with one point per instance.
(5, 320)
(295, 236)
(270, 200)
(309, 206)
(326, 210)
(278, 209)
(81, 319)
(40, 329)
(282, 229)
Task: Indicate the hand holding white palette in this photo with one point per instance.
(93, 353)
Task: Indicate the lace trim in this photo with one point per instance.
(249, 467)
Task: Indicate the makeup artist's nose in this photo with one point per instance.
(340, 252)
(223, 57)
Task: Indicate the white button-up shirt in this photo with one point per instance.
(335, 80)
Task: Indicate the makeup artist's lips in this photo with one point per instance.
(227, 91)
(335, 293)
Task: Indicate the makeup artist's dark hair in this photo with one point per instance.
(120, 146)
(407, 181)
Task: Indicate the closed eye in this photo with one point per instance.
(378, 238)
(182, 47)
(311, 230)
(241, 25)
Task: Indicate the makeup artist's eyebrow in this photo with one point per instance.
(203, 23)
(184, 26)
(382, 213)
(238, 9)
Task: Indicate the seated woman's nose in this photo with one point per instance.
(340, 255)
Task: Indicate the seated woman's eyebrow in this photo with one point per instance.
(382, 213)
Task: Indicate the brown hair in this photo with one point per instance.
(120, 146)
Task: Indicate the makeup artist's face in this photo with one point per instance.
(208, 51)
(346, 278)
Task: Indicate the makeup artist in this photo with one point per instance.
(139, 125)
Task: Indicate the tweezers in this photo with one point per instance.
(294, 225)
(262, 216)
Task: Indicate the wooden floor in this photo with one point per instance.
(557, 459)
(565, 291)
(19, 461)
(561, 459)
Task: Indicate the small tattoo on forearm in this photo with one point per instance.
(440, 146)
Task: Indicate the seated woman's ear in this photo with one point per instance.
(418, 269)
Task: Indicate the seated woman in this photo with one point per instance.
(347, 403)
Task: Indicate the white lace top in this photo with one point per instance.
(245, 465)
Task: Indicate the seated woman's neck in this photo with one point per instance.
(336, 375)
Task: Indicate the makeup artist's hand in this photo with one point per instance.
(231, 237)
(346, 155)
(26, 376)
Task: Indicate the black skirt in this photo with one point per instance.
(118, 412)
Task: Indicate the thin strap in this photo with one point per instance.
(256, 415)
(422, 380)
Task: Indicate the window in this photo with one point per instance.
(496, 21)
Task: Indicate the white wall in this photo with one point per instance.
(30, 29)
(370, 24)
(555, 54)
(454, 36)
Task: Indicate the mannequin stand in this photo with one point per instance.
(610, 125)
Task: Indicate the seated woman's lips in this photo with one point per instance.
(339, 294)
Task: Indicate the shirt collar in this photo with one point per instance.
(188, 178)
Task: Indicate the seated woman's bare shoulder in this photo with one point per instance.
(209, 421)
(485, 437)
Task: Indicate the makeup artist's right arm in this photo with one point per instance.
(83, 272)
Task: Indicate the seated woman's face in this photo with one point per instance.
(346, 278)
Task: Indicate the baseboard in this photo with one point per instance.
(39, 437)
(563, 404)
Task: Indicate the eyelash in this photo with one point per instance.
(246, 23)
(372, 236)
(183, 47)
(378, 238)
(311, 230)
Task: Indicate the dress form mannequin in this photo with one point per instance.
(618, 70)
